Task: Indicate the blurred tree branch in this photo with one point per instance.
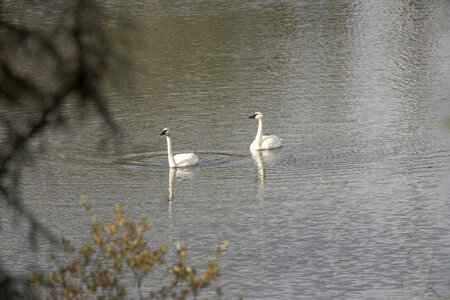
(42, 69)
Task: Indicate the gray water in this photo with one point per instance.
(355, 205)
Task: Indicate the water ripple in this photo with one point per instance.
(158, 160)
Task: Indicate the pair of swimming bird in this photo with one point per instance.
(261, 142)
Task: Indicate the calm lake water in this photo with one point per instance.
(355, 205)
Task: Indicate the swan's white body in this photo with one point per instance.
(184, 160)
(180, 160)
(266, 142)
(263, 142)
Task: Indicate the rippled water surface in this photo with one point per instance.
(355, 205)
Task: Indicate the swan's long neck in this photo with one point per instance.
(170, 153)
(259, 133)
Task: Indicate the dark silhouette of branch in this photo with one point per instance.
(77, 54)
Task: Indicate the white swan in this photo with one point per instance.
(179, 160)
(263, 142)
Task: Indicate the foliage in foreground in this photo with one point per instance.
(118, 250)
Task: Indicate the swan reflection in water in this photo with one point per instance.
(260, 157)
(178, 172)
(172, 172)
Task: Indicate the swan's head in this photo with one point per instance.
(257, 116)
(165, 132)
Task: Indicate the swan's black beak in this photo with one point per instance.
(163, 132)
(252, 116)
